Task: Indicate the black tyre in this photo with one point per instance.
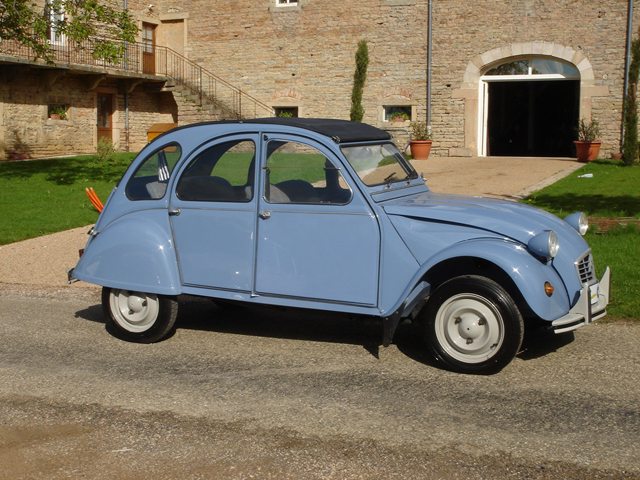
(472, 325)
(139, 317)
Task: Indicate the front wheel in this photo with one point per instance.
(472, 325)
(139, 317)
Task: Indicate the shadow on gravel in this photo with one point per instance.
(538, 343)
(93, 314)
(203, 314)
(278, 322)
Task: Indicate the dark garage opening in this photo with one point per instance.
(533, 118)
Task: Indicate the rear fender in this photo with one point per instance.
(134, 252)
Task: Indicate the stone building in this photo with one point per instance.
(508, 77)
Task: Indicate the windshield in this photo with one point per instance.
(379, 164)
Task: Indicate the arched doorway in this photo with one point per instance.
(472, 91)
(529, 107)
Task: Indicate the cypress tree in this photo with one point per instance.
(630, 144)
(359, 77)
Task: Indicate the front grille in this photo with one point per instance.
(585, 269)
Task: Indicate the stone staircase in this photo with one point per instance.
(190, 109)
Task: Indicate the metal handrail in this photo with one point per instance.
(143, 59)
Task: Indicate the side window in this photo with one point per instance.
(298, 173)
(222, 173)
(150, 180)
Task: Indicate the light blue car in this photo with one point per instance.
(329, 215)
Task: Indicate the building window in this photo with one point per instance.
(286, 3)
(539, 67)
(286, 111)
(57, 112)
(55, 12)
(397, 113)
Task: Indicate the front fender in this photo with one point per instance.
(527, 273)
(134, 252)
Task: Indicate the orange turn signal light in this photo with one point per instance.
(548, 289)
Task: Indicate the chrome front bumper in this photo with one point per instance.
(591, 305)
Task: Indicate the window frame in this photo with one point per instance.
(55, 17)
(166, 180)
(340, 178)
(250, 173)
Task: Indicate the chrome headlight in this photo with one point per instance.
(545, 244)
(578, 221)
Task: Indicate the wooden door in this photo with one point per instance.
(105, 111)
(148, 48)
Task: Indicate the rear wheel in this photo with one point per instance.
(472, 325)
(139, 317)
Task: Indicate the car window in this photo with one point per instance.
(299, 173)
(152, 176)
(379, 164)
(222, 173)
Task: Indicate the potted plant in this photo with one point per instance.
(58, 113)
(420, 141)
(398, 117)
(587, 145)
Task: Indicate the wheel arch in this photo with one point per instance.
(478, 266)
(134, 252)
(507, 263)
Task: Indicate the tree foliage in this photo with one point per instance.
(359, 77)
(74, 20)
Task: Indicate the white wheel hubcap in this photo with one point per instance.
(134, 311)
(469, 328)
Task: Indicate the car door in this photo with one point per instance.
(317, 238)
(213, 215)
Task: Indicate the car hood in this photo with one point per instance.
(510, 219)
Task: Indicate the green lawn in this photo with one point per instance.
(613, 191)
(38, 197)
(620, 250)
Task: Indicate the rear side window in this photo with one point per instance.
(151, 178)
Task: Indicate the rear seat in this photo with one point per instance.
(206, 189)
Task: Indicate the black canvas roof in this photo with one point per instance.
(342, 131)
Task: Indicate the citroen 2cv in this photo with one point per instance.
(330, 215)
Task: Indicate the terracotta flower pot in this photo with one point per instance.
(587, 151)
(420, 149)
(54, 116)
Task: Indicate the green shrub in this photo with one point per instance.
(588, 131)
(107, 151)
(420, 131)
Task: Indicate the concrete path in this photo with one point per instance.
(512, 178)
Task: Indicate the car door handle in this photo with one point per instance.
(174, 212)
(265, 215)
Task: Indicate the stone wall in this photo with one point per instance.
(27, 131)
(304, 55)
(27, 128)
